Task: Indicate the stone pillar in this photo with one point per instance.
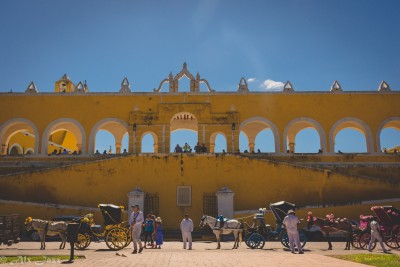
(291, 147)
(136, 197)
(130, 146)
(225, 202)
(251, 147)
(212, 147)
(118, 147)
(4, 149)
(79, 146)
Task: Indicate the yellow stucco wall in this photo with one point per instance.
(215, 112)
(255, 183)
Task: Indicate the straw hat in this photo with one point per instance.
(158, 219)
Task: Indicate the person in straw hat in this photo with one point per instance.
(291, 221)
(159, 233)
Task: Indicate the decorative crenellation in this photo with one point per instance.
(125, 86)
(243, 87)
(384, 87)
(31, 89)
(288, 87)
(174, 81)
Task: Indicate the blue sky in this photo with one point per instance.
(310, 43)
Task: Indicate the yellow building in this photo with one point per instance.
(180, 183)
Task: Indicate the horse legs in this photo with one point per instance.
(63, 241)
(236, 240)
(329, 241)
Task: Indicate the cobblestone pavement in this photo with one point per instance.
(203, 254)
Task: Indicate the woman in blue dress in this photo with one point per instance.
(159, 233)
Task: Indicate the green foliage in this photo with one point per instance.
(378, 260)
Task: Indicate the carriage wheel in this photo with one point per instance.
(246, 238)
(285, 239)
(256, 241)
(397, 239)
(364, 241)
(129, 239)
(391, 241)
(116, 238)
(83, 241)
(355, 241)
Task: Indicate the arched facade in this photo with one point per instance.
(252, 126)
(353, 123)
(117, 127)
(66, 124)
(213, 137)
(297, 125)
(15, 125)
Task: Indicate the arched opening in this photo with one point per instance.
(149, 142)
(243, 142)
(357, 137)
(254, 126)
(117, 128)
(264, 142)
(388, 136)
(218, 143)
(63, 134)
(312, 137)
(62, 142)
(183, 130)
(29, 151)
(308, 141)
(350, 141)
(18, 131)
(184, 84)
(16, 150)
(105, 142)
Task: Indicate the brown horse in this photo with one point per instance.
(329, 226)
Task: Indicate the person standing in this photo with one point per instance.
(135, 221)
(375, 235)
(291, 221)
(148, 231)
(187, 229)
(159, 233)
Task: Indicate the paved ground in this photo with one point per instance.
(203, 254)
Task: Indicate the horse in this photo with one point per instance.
(48, 228)
(230, 226)
(330, 225)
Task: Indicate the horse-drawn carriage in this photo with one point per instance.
(115, 234)
(389, 221)
(256, 234)
(9, 229)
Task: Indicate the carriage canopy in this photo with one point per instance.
(280, 209)
(112, 214)
(388, 215)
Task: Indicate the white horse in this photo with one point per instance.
(230, 226)
(48, 228)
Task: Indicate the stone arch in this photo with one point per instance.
(299, 124)
(117, 127)
(352, 123)
(184, 120)
(10, 127)
(18, 147)
(67, 124)
(213, 136)
(392, 122)
(252, 126)
(29, 151)
(155, 139)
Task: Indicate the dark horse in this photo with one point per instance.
(329, 226)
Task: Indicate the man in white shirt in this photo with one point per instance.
(135, 221)
(375, 235)
(187, 229)
(290, 223)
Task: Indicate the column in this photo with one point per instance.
(130, 146)
(212, 147)
(135, 197)
(225, 202)
(118, 147)
(251, 147)
(4, 149)
(291, 147)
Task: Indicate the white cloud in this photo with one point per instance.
(272, 85)
(251, 80)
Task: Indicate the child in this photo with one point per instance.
(148, 231)
(159, 234)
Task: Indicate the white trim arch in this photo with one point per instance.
(14, 125)
(213, 137)
(19, 148)
(355, 124)
(269, 125)
(307, 123)
(98, 126)
(394, 122)
(60, 124)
